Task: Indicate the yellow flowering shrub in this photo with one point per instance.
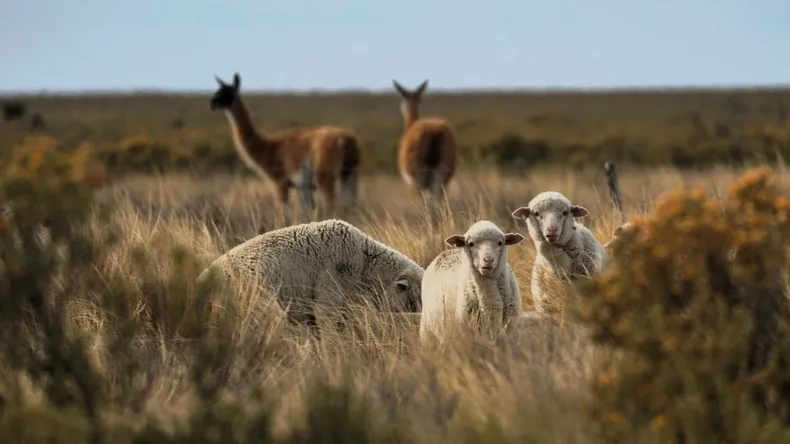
(694, 306)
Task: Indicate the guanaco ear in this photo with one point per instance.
(456, 240)
(403, 92)
(579, 211)
(513, 238)
(219, 81)
(421, 89)
(236, 81)
(521, 213)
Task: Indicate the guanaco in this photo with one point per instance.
(426, 156)
(305, 158)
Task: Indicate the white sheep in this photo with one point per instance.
(626, 227)
(565, 248)
(315, 262)
(472, 281)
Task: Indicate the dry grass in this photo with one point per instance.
(434, 391)
(371, 384)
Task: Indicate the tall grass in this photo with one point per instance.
(117, 344)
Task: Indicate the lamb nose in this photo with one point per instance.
(488, 259)
(552, 229)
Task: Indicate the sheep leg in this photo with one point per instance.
(510, 316)
(512, 303)
(492, 316)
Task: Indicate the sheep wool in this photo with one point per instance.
(315, 262)
(472, 281)
(565, 248)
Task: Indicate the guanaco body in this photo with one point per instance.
(426, 155)
(307, 159)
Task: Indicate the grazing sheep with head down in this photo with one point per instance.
(565, 248)
(315, 262)
(472, 281)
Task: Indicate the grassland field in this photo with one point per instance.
(175, 185)
(509, 130)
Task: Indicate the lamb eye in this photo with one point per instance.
(471, 244)
(500, 243)
(565, 213)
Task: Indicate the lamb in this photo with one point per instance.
(472, 282)
(565, 248)
(316, 262)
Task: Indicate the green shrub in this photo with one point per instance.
(53, 388)
(145, 154)
(513, 152)
(703, 340)
(340, 413)
(45, 183)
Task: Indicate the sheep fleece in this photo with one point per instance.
(452, 289)
(308, 262)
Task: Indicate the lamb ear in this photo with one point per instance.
(236, 81)
(579, 211)
(521, 213)
(456, 240)
(617, 231)
(402, 283)
(513, 238)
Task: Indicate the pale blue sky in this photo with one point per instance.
(339, 44)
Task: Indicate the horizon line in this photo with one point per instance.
(379, 91)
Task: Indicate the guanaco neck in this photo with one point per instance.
(255, 149)
(244, 134)
(410, 113)
(245, 137)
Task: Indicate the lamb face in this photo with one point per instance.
(550, 217)
(484, 247)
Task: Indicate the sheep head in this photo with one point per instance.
(550, 217)
(484, 245)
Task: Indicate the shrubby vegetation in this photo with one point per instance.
(105, 338)
(702, 338)
(688, 129)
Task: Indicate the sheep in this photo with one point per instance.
(627, 226)
(565, 248)
(472, 282)
(426, 154)
(314, 262)
(306, 158)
